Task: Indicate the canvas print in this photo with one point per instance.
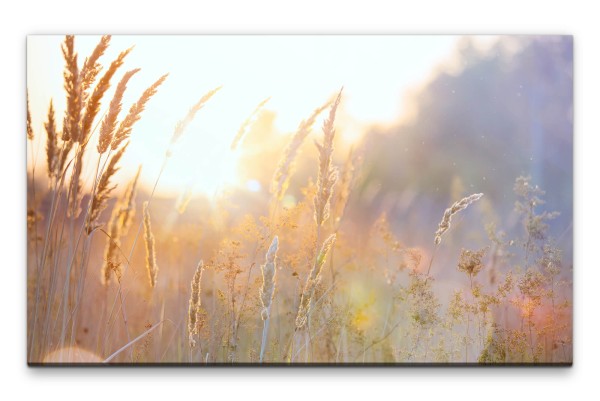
(299, 200)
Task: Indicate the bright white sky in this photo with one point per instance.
(298, 72)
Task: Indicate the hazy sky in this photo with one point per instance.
(298, 72)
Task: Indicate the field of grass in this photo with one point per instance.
(119, 273)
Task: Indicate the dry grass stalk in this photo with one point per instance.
(183, 201)
(103, 190)
(311, 282)
(64, 153)
(134, 114)
(93, 103)
(344, 187)
(181, 125)
(75, 193)
(151, 265)
(73, 88)
(109, 123)
(119, 223)
(194, 305)
(451, 211)
(328, 174)
(129, 203)
(284, 168)
(51, 142)
(29, 126)
(247, 123)
(112, 263)
(268, 275)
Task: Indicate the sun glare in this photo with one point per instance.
(298, 73)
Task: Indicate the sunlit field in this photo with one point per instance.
(299, 200)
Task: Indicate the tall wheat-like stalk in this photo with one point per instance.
(30, 134)
(247, 123)
(269, 270)
(284, 168)
(194, 304)
(182, 124)
(103, 190)
(311, 282)
(151, 265)
(328, 174)
(120, 220)
(51, 143)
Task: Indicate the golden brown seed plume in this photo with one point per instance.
(134, 114)
(91, 67)
(29, 126)
(328, 174)
(284, 168)
(93, 103)
(312, 281)
(109, 123)
(72, 86)
(268, 275)
(194, 306)
(51, 142)
(451, 211)
(181, 125)
(103, 190)
(247, 123)
(151, 265)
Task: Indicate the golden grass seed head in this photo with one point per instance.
(194, 304)
(151, 265)
(109, 123)
(451, 211)
(268, 270)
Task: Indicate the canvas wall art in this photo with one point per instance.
(299, 200)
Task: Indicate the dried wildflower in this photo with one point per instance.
(451, 211)
(470, 261)
(534, 223)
